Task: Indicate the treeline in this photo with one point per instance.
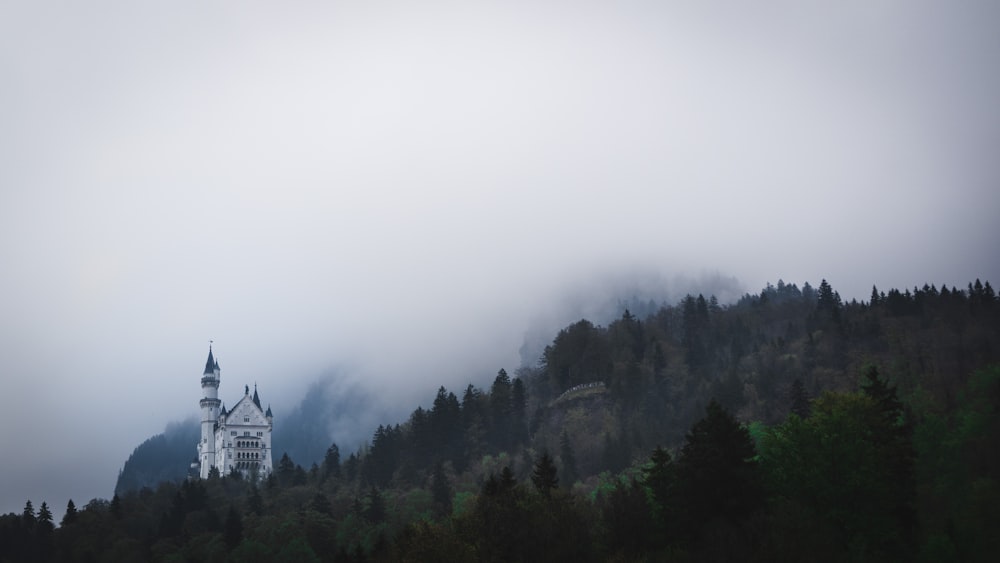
(870, 432)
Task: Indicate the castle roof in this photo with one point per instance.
(211, 365)
(256, 398)
(268, 413)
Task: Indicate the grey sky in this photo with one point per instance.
(399, 187)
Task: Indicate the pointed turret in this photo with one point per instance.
(256, 398)
(210, 404)
(268, 413)
(211, 365)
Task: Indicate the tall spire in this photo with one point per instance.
(256, 398)
(211, 365)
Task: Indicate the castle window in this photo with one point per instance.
(260, 434)
(246, 419)
(233, 433)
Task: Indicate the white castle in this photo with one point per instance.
(239, 439)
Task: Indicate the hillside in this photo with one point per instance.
(689, 433)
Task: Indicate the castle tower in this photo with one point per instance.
(209, 414)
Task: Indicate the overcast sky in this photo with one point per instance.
(400, 187)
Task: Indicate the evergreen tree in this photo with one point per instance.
(69, 517)
(321, 504)
(828, 300)
(331, 463)
(717, 472)
(45, 516)
(299, 478)
(660, 476)
(893, 436)
(545, 476)
(351, 467)
(286, 470)
(28, 516)
(799, 400)
(501, 410)
(43, 532)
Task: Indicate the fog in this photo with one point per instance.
(398, 191)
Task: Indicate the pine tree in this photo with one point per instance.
(717, 471)
(660, 476)
(545, 476)
(351, 467)
(893, 435)
(828, 299)
(331, 463)
(28, 516)
(286, 470)
(69, 517)
(321, 504)
(799, 400)
(44, 515)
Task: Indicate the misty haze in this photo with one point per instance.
(499, 257)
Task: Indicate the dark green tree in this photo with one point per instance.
(717, 474)
(893, 436)
(660, 478)
(627, 525)
(69, 517)
(43, 532)
(285, 471)
(28, 516)
(799, 400)
(331, 463)
(321, 504)
(351, 467)
(545, 475)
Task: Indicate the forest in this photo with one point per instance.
(789, 425)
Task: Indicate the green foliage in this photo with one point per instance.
(841, 465)
(906, 470)
(717, 478)
(545, 475)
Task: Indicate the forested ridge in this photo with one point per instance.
(789, 425)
